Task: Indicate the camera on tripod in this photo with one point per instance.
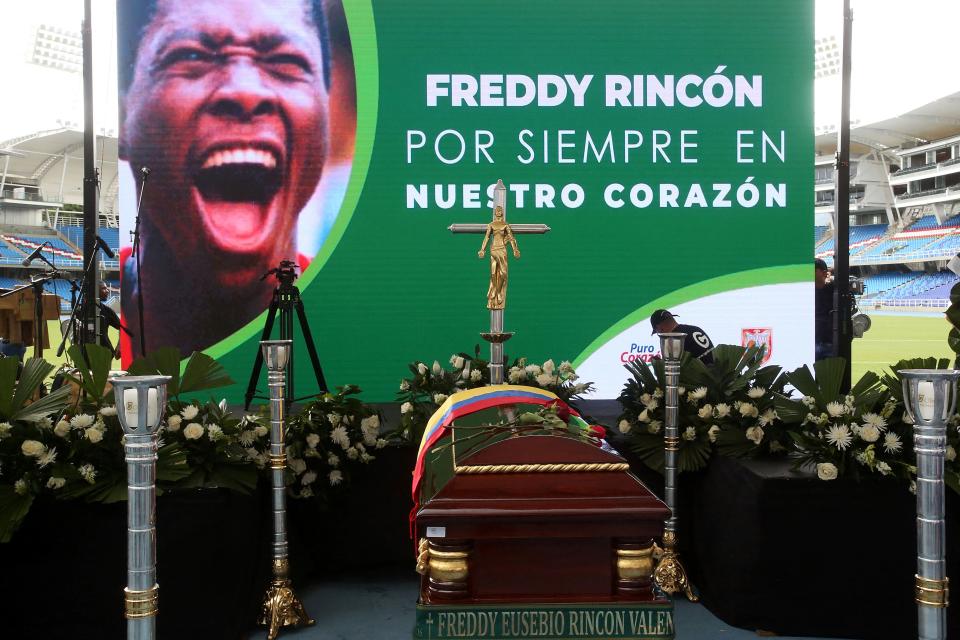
(286, 272)
(860, 321)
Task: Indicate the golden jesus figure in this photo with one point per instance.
(502, 234)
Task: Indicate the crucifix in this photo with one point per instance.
(499, 234)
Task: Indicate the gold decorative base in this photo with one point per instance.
(497, 336)
(931, 592)
(282, 608)
(670, 575)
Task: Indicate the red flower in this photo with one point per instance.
(597, 431)
(562, 408)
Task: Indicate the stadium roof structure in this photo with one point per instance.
(933, 121)
(53, 161)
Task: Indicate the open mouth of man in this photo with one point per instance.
(236, 189)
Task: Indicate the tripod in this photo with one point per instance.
(286, 300)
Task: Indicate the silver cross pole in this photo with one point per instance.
(498, 278)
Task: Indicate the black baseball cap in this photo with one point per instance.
(659, 316)
(820, 263)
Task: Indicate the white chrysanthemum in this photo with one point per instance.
(624, 426)
(261, 430)
(874, 420)
(215, 433)
(370, 423)
(193, 431)
(516, 375)
(654, 426)
(644, 416)
(884, 468)
(690, 433)
(43, 423)
(248, 437)
(645, 398)
(748, 410)
(706, 411)
(81, 421)
(313, 440)
(457, 361)
(439, 398)
(869, 433)
(652, 404)
(756, 392)
(88, 473)
(839, 436)
(297, 465)
(381, 443)
(336, 477)
(20, 487)
(712, 432)
(951, 454)
(33, 448)
(422, 369)
(339, 436)
(437, 369)
(94, 435)
(699, 393)
(533, 370)
(173, 423)
(835, 409)
(566, 367)
(333, 460)
(827, 471)
(406, 407)
(366, 458)
(549, 366)
(189, 412)
(658, 393)
(108, 411)
(308, 478)
(475, 375)
(810, 401)
(404, 385)
(353, 453)
(722, 410)
(545, 379)
(767, 417)
(61, 430)
(47, 457)
(755, 435)
(891, 442)
(55, 483)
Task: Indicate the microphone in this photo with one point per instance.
(33, 256)
(106, 248)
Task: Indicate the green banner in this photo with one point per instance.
(639, 621)
(668, 145)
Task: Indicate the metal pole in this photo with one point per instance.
(670, 575)
(281, 606)
(135, 397)
(91, 312)
(842, 330)
(930, 397)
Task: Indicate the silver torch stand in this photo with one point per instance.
(930, 398)
(140, 402)
(281, 606)
(670, 575)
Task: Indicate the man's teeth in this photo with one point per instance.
(240, 156)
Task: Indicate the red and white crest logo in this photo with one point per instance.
(758, 337)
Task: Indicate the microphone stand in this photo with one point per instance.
(36, 283)
(136, 252)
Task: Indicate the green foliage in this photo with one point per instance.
(93, 363)
(200, 373)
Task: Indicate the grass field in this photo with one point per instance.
(893, 338)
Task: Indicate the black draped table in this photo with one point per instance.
(783, 551)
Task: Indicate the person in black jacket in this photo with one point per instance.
(697, 342)
(823, 300)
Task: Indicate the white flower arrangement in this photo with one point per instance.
(173, 423)
(827, 471)
(189, 412)
(81, 421)
(624, 426)
(193, 431)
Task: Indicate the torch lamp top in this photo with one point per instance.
(276, 353)
(671, 345)
(929, 395)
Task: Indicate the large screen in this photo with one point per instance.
(667, 145)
